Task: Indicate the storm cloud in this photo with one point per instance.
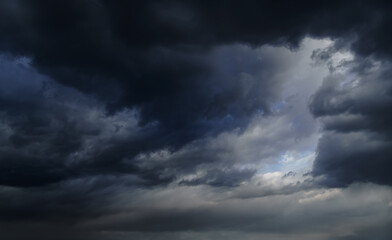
(189, 119)
(355, 112)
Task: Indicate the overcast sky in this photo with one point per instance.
(211, 120)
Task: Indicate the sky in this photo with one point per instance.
(199, 120)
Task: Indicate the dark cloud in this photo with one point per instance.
(154, 55)
(193, 212)
(119, 117)
(52, 133)
(355, 109)
(150, 54)
(55, 133)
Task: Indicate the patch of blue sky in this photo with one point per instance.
(292, 161)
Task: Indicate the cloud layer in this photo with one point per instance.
(190, 120)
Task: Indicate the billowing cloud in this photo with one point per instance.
(354, 107)
(151, 55)
(190, 120)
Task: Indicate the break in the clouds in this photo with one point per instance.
(195, 120)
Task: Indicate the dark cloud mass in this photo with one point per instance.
(356, 114)
(147, 53)
(195, 119)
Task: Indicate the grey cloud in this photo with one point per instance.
(324, 213)
(157, 120)
(354, 108)
(54, 133)
(151, 55)
(222, 178)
